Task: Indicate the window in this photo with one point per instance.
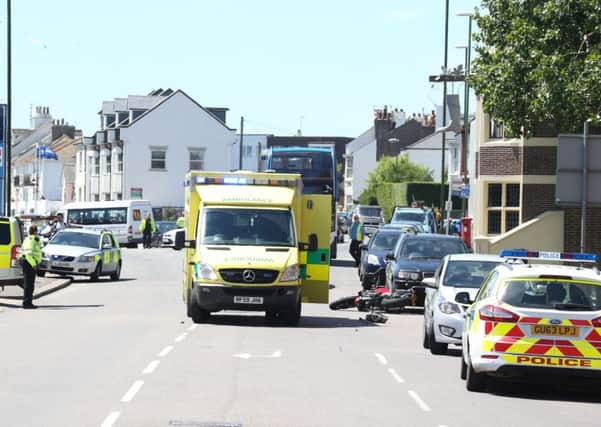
(349, 167)
(197, 159)
(120, 162)
(248, 151)
(96, 166)
(503, 209)
(96, 197)
(107, 196)
(107, 165)
(119, 196)
(97, 216)
(158, 158)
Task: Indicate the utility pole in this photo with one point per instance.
(9, 108)
(241, 140)
(444, 110)
(584, 188)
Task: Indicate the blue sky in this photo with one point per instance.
(329, 62)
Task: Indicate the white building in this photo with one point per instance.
(252, 145)
(147, 144)
(360, 159)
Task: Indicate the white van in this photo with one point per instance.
(121, 217)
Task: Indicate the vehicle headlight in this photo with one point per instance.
(410, 275)
(448, 307)
(290, 274)
(373, 259)
(86, 258)
(205, 271)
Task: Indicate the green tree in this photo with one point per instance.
(539, 62)
(393, 169)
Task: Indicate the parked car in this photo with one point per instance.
(168, 238)
(443, 316)
(162, 228)
(422, 215)
(370, 216)
(373, 256)
(11, 239)
(416, 257)
(82, 251)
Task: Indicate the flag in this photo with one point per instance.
(44, 152)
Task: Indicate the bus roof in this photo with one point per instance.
(103, 204)
(310, 149)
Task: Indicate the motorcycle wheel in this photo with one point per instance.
(342, 303)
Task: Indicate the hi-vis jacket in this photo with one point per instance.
(32, 251)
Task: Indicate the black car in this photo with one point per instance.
(373, 256)
(417, 256)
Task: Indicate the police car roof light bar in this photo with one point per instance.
(576, 257)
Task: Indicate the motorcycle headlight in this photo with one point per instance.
(408, 275)
(373, 259)
(205, 271)
(448, 307)
(290, 274)
(86, 258)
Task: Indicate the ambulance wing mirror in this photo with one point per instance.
(463, 298)
(181, 242)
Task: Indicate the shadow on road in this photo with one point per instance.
(67, 307)
(79, 279)
(307, 322)
(568, 391)
(342, 263)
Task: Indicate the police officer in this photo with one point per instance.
(180, 223)
(31, 256)
(356, 231)
(147, 227)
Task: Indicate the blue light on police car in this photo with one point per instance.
(558, 256)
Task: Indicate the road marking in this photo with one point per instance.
(166, 351)
(396, 376)
(273, 355)
(191, 328)
(381, 358)
(419, 401)
(151, 367)
(110, 420)
(181, 337)
(127, 397)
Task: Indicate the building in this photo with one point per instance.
(42, 157)
(146, 145)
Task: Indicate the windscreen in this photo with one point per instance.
(409, 216)
(70, 238)
(255, 227)
(315, 167)
(97, 216)
(370, 211)
(384, 241)
(431, 248)
(552, 294)
(467, 274)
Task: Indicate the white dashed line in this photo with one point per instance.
(191, 328)
(166, 351)
(381, 358)
(151, 367)
(110, 420)
(396, 376)
(181, 337)
(419, 401)
(132, 391)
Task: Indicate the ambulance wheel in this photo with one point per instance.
(334, 250)
(463, 368)
(271, 317)
(473, 380)
(198, 314)
(426, 341)
(435, 346)
(292, 317)
(96, 274)
(117, 274)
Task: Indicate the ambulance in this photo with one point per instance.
(253, 241)
(531, 318)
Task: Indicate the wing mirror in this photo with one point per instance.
(430, 282)
(180, 240)
(463, 298)
(390, 256)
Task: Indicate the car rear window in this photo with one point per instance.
(432, 247)
(4, 233)
(552, 294)
(384, 241)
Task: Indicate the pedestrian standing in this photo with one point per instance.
(147, 227)
(31, 256)
(59, 224)
(356, 232)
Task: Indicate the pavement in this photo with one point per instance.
(124, 354)
(43, 286)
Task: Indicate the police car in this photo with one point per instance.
(534, 319)
(82, 251)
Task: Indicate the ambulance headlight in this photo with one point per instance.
(205, 271)
(290, 274)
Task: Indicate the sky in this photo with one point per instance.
(321, 66)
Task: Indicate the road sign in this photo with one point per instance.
(465, 192)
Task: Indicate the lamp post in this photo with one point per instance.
(9, 108)
(466, 102)
(444, 107)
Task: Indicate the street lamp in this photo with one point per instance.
(466, 127)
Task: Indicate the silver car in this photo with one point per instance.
(81, 251)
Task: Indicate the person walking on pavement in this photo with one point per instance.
(356, 233)
(147, 227)
(31, 256)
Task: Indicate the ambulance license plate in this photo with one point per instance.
(554, 330)
(248, 300)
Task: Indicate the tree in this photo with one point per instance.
(539, 62)
(393, 169)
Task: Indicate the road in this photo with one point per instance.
(124, 354)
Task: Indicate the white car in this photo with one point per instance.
(82, 251)
(534, 319)
(444, 317)
(168, 239)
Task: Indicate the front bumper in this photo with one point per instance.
(67, 267)
(215, 297)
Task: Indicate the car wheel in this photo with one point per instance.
(435, 346)
(463, 373)
(426, 342)
(117, 274)
(333, 250)
(474, 381)
(97, 271)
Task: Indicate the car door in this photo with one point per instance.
(108, 263)
(431, 294)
